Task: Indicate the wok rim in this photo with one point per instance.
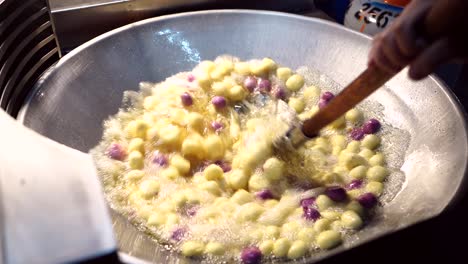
(449, 94)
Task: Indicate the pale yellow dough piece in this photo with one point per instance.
(298, 249)
(283, 73)
(375, 187)
(214, 147)
(351, 220)
(273, 169)
(323, 202)
(241, 197)
(371, 141)
(295, 82)
(307, 234)
(354, 116)
(149, 188)
(297, 104)
(192, 248)
(137, 144)
(328, 239)
(377, 173)
(237, 179)
(214, 248)
(135, 160)
(281, 247)
(134, 175)
(213, 172)
(181, 164)
(266, 247)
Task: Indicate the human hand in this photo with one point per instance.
(422, 42)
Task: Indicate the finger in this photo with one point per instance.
(377, 57)
(436, 54)
(408, 42)
(393, 53)
(381, 61)
(375, 46)
(400, 39)
(406, 28)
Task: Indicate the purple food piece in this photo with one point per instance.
(357, 133)
(367, 200)
(311, 213)
(224, 165)
(192, 211)
(189, 209)
(160, 159)
(250, 83)
(371, 126)
(264, 85)
(190, 77)
(279, 92)
(354, 184)
(186, 99)
(217, 126)
(327, 96)
(116, 151)
(336, 193)
(307, 202)
(205, 164)
(179, 233)
(251, 255)
(264, 194)
(219, 102)
(322, 103)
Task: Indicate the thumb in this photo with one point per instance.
(430, 58)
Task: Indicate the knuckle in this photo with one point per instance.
(398, 30)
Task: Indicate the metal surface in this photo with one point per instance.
(77, 21)
(98, 16)
(87, 85)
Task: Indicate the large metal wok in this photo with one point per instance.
(86, 87)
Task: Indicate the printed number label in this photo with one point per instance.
(372, 14)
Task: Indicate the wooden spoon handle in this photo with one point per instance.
(436, 23)
(369, 81)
